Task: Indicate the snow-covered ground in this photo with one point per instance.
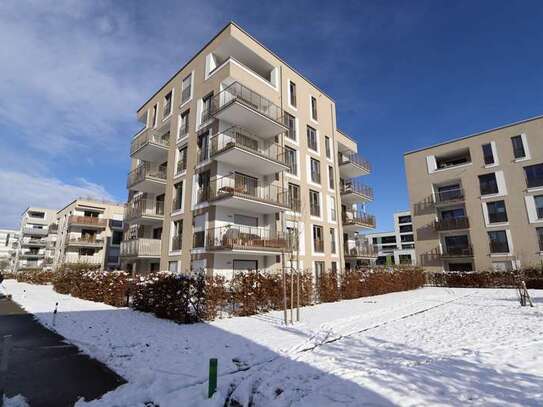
(432, 346)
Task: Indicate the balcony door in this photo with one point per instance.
(245, 265)
(159, 205)
(456, 244)
(457, 213)
(246, 184)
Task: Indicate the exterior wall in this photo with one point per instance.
(235, 43)
(8, 245)
(422, 177)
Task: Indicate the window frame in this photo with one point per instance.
(313, 132)
(488, 153)
(516, 147)
(315, 170)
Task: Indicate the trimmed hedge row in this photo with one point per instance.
(33, 276)
(487, 279)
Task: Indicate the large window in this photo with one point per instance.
(314, 115)
(327, 147)
(312, 138)
(318, 243)
(203, 146)
(186, 89)
(206, 107)
(331, 177)
(540, 238)
(488, 155)
(177, 237)
(518, 147)
(538, 200)
(178, 196)
(315, 171)
(456, 245)
(496, 212)
(294, 197)
(534, 175)
(314, 203)
(168, 104)
(154, 116)
(498, 241)
(488, 184)
(182, 162)
(290, 121)
(291, 160)
(332, 240)
(184, 123)
(292, 93)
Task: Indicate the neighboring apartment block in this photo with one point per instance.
(37, 238)
(90, 231)
(240, 166)
(8, 247)
(477, 202)
(397, 247)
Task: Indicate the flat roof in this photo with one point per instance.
(476, 134)
(250, 36)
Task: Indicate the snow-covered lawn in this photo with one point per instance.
(432, 346)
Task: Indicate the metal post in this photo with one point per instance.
(291, 296)
(212, 388)
(55, 314)
(298, 296)
(4, 364)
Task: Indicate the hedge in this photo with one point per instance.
(487, 279)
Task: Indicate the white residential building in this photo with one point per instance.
(8, 245)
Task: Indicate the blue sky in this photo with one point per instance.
(404, 75)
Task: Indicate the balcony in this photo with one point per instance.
(34, 243)
(144, 178)
(245, 193)
(32, 255)
(244, 238)
(94, 260)
(353, 192)
(144, 212)
(87, 221)
(360, 250)
(443, 225)
(238, 149)
(455, 252)
(141, 247)
(450, 196)
(149, 145)
(351, 165)
(85, 241)
(354, 221)
(239, 105)
(35, 231)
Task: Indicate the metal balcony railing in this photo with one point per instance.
(356, 187)
(149, 136)
(35, 231)
(90, 240)
(354, 158)
(360, 250)
(358, 218)
(237, 92)
(143, 171)
(140, 247)
(451, 224)
(34, 242)
(466, 251)
(244, 187)
(237, 137)
(450, 195)
(87, 221)
(143, 207)
(245, 237)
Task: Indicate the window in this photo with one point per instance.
(206, 107)
(312, 138)
(294, 197)
(292, 93)
(457, 213)
(332, 240)
(327, 147)
(334, 267)
(331, 177)
(487, 154)
(518, 147)
(455, 244)
(290, 121)
(203, 146)
(460, 267)
(116, 237)
(186, 89)
(496, 212)
(167, 104)
(498, 241)
(319, 270)
(318, 244)
(332, 209)
(540, 238)
(85, 251)
(488, 184)
(154, 115)
(291, 160)
(314, 108)
(315, 171)
(199, 238)
(534, 175)
(184, 123)
(177, 238)
(404, 219)
(538, 200)
(245, 265)
(172, 266)
(182, 161)
(406, 238)
(314, 203)
(245, 220)
(388, 239)
(406, 228)
(178, 196)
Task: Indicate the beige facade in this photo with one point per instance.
(37, 237)
(89, 231)
(239, 157)
(477, 202)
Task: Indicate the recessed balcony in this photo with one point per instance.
(353, 192)
(145, 178)
(245, 193)
(361, 251)
(144, 212)
(351, 165)
(238, 238)
(243, 107)
(35, 231)
(150, 145)
(34, 243)
(85, 241)
(141, 248)
(354, 221)
(240, 150)
(32, 255)
(444, 225)
(87, 221)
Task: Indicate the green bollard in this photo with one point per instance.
(212, 377)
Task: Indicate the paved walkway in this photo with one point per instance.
(46, 370)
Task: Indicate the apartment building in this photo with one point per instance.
(240, 166)
(398, 246)
(37, 237)
(90, 231)
(477, 202)
(8, 245)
